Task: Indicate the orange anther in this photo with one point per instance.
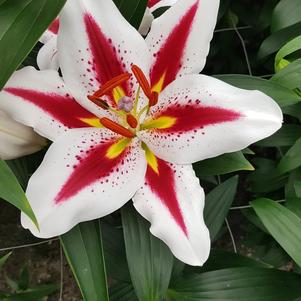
(116, 128)
(142, 80)
(131, 120)
(153, 100)
(111, 84)
(99, 102)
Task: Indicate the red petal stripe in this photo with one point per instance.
(163, 185)
(63, 109)
(151, 3)
(92, 167)
(190, 117)
(169, 57)
(106, 62)
(54, 26)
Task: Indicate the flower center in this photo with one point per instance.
(125, 106)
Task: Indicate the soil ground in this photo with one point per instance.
(43, 261)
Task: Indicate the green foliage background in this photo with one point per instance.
(253, 203)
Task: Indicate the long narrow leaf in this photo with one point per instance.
(83, 249)
(150, 261)
(22, 22)
(11, 191)
(283, 225)
(217, 205)
(238, 284)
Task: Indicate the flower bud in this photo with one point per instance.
(16, 139)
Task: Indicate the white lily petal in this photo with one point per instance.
(16, 139)
(84, 183)
(39, 99)
(179, 40)
(95, 44)
(173, 201)
(51, 32)
(47, 56)
(205, 117)
(146, 22)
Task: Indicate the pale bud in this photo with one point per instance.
(16, 139)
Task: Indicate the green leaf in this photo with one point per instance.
(294, 110)
(297, 186)
(292, 159)
(149, 259)
(294, 205)
(11, 191)
(285, 14)
(219, 260)
(266, 177)
(23, 282)
(3, 259)
(83, 249)
(11, 283)
(286, 136)
(287, 49)
(282, 95)
(237, 284)
(289, 76)
(22, 22)
(122, 292)
(222, 164)
(282, 224)
(114, 251)
(278, 39)
(132, 10)
(218, 202)
(32, 294)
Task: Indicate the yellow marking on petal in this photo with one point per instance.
(118, 93)
(117, 148)
(163, 122)
(94, 122)
(159, 85)
(150, 158)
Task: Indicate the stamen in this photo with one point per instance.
(131, 120)
(142, 80)
(116, 128)
(111, 84)
(99, 102)
(153, 100)
(143, 110)
(136, 101)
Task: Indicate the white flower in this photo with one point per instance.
(101, 156)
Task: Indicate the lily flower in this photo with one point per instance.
(16, 139)
(128, 118)
(48, 57)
